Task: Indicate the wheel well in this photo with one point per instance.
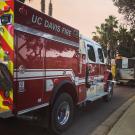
(66, 88)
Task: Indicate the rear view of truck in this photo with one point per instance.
(6, 57)
(125, 72)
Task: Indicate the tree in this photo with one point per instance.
(118, 37)
(127, 7)
(126, 42)
(43, 6)
(106, 34)
(50, 8)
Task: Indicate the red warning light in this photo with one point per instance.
(5, 9)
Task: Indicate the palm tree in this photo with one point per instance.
(110, 26)
(43, 6)
(50, 8)
(106, 34)
(126, 41)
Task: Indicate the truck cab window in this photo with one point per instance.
(91, 53)
(100, 55)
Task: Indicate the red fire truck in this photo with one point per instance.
(45, 62)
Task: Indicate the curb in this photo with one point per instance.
(106, 126)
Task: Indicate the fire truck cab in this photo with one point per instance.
(47, 63)
(95, 69)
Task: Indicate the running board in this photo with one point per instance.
(5, 113)
(93, 98)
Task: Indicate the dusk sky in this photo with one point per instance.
(81, 14)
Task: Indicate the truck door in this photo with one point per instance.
(29, 71)
(92, 62)
(102, 67)
(92, 70)
(101, 61)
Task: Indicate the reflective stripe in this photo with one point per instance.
(33, 108)
(7, 41)
(6, 34)
(10, 66)
(11, 95)
(1, 103)
(36, 74)
(43, 73)
(5, 47)
(1, 54)
(2, 4)
(7, 37)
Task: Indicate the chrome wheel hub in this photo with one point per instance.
(63, 113)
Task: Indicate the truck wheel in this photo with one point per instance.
(109, 96)
(62, 113)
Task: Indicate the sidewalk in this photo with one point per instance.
(126, 124)
(121, 122)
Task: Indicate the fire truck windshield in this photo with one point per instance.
(6, 19)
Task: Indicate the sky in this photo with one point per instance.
(81, 14)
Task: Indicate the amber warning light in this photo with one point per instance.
(5, 9)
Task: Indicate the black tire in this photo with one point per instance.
(109, 96)
(65, 102)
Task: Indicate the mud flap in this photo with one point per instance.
(5, 89)
(5, 79)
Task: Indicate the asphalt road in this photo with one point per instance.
(85, 121)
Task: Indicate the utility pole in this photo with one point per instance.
(50, 8)
(43, 6)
